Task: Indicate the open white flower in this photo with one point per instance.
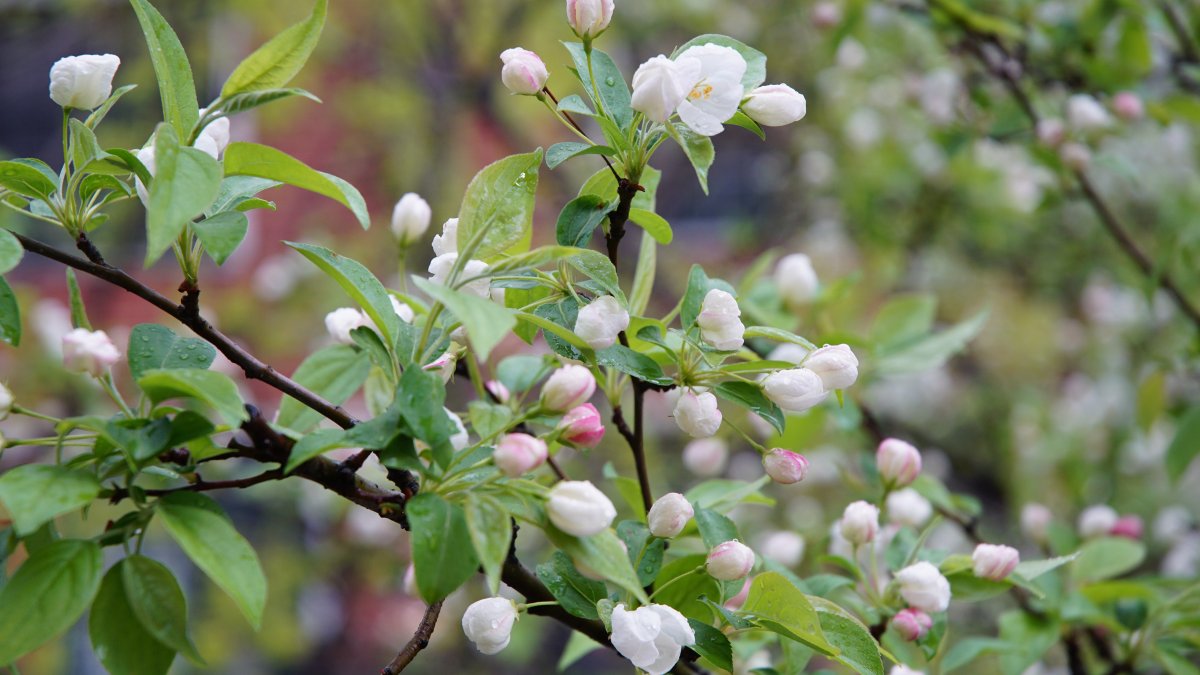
(660, 85)
(714, 96)
(651, 637)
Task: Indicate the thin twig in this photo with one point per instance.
(567, 116)
(419, 641)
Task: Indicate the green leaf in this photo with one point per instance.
(252, 99)
(98, 115)
(171, 68)
(558, 321)
(10, 315)
(359, 284)
(966, 651)
(903, 319)
(420, 399)
(334, 373)
(85, 149)
(1107, 557)
(603, 553)
(26, 180)
(442, 553)
(778, 335)
(11, 251)
(35, 494)
(252, 159)
(497, 210)
(782, 608)
(221, 234)
(604, 184)
(751, 396)
(561, 152)
(579, 218)
(685, 594)
(575, 104)
(1028, 639)
(1185, 446)
(209, 386)
(741, 119)
(78, 312)
(931, 352)
(1032, 569)
(712, 645)
(610, 83)
(597, 267)
(47, 594)
(654, 224)
(856, 648)
(238, 189)
(158, 603)
(698, 149)
(630, 362)
(486, 322)
(714, 528)
(120, 641)
(491, 534)
(643, 278)
(186, 181)
(645, 551)
(152, 347)
(205, 533)
(756, 61)
(275, 63)
(575, 593)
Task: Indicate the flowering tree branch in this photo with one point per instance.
(419, 641)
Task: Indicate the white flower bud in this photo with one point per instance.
(651, 637)
(775, 105)
(784, 466)
(447, 241)
(1051, 131)
(215, 133)
(660, 85)
(518, 454)
(922, 586)
(790, 352)
(489, 623)
(1097, 521)
(340, 322)
(908, 507)
(589, 18)
(601, 321)
(441, 266)
(796, 279)
(994, 562)
(782, 546)
(729, 561)
(410, 218)
(1035, 522)
(568, 387)
(836, 365)
(859, 523)
(577, 507)
(719, 321)
(899, 463)
(795, 390)
(706, 456)
(86, 351)
(669, 514)
(523, 71)
(697, 414)
(1075, 156)
(6, 402)
(1085, 114)
(83, 82)
(460, 438)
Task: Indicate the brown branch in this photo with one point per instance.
(190, 317)
(419, 641)
(567, 116)
(202, 485)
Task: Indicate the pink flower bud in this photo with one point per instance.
(1035, 521)
(697, 414)
(1128, 106)
(706, 456)
(730, 560)
(582, 426)
(1051, 132)
(518, 454)
(1097, 521)
(825, 15)
(86, 351)
(497, 389)
(738, 600)
(898, 462)
(995, 562)
(669, 515)
(589, 18)
(569, 387)
(523, 71)
(912, 624)
(1129, 527)
(784, 466)
(922, 586)
(859, 523)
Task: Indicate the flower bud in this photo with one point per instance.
(899, 463)
(912, 624)
(6, 401)
(86, 351)
(601, 321)
(659, 86)
(447, 241)
(994, 562)
(901, 669)
(1035, 522)
(922, 586)
(1075, 156)
(738, 600)
(215, 134)
(1051, 132)
(795, 390)
(730, 560)
(825, 15)
(340, 322)
(489, 623)
(790, 352)
(908, 507)
(441, 266)
(796, 279)
(83, 82)
(1128, 106)
(523, 71)
(497, 389)
(719, 321)
(697, 414)
(589, 18)
(652, 637)
(669, 514)
(460, 438)
(706, 456)
(577, 507)
(784, 466)
(836, 365)
(859, 523)
(518, 454)
(410, 218)
(1097, 521)
(775, 105)
(782, 546)
(443, 365)
(582, 426)
(568, 387)
(1085, 114)
(1129, 527)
